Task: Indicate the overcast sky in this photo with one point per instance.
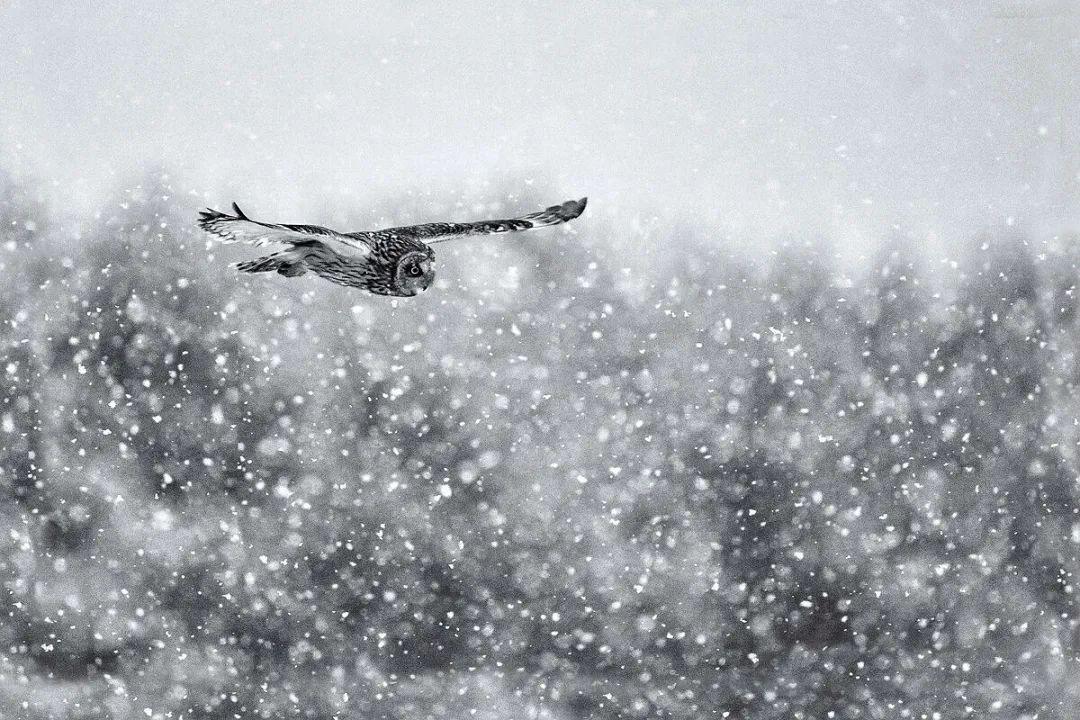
(761, 117)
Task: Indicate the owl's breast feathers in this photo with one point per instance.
(375, 273)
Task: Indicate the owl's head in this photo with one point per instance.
(414, 273)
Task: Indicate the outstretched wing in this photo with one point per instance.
(439, 232)
(241, 228)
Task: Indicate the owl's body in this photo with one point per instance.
(396, 261)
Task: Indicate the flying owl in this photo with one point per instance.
(396, 261)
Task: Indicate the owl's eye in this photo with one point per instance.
(414, 271)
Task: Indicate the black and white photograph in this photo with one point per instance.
(540, 360)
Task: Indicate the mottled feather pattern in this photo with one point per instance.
(375, 274)
(288, 263)
(554, 215)
(396, 261)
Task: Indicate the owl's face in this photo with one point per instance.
(414, 273)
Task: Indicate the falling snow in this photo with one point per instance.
(710, 487)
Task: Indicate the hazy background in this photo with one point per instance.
(677, 459)
(835, 118)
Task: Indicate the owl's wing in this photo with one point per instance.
(241, 228)
(439, 232)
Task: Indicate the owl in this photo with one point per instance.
(396, 261)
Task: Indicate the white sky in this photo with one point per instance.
(765, 118)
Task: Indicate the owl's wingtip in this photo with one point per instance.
(576, 207)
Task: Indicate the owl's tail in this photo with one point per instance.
(289, 263)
